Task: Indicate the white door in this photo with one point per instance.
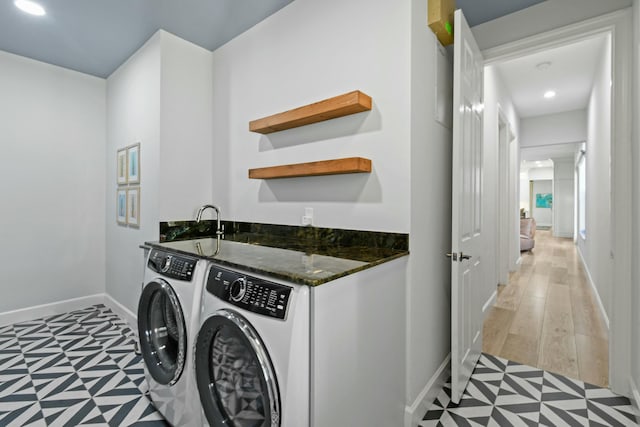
(466, 236)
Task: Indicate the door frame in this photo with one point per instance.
(619, 25)
(506, 201)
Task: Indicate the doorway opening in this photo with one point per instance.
(607, 241)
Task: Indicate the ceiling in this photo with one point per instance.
(525, 165)
(96, 36)
(570, 74)
(477, 12)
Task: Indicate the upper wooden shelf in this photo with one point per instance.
(338, 106)
(324, 167)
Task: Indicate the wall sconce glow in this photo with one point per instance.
(550, 94)
(30, 7)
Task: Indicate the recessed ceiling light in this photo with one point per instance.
(550, 94)
(30, 7)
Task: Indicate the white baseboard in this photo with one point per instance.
(565, 235)
(635, 395)
(413, 414)
(51, 309)
(595, 290)
(490, 302)
(122, 311)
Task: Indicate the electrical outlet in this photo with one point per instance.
(307, 218)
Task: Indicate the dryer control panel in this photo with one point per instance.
(172, 265)
(250, 293)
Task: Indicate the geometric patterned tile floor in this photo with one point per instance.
(505, 393)
(73, 369)
(80, 369)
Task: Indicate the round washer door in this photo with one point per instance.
(235, 376)
(162, 332)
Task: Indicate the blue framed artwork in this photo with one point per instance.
(544, 200)
(122, 166)
(133, 206)
(121, 206)
(133, 164)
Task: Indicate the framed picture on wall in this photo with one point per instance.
(133, 206)
(544, 200)
(121, 159)
(121, 206)
(133, 163)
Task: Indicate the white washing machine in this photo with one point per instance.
(252, 351)
(168, 320)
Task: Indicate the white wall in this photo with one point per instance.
(596, 248)
(541, 17)
(496, 94)
(563, 197)
(133, 102)
(186, 115)
(51, 174)
(289, 60)
(292, 59)
(160, 97)
(559, 128)
(428, 294)
(540, 173)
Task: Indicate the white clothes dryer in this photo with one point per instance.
(252, 351)
(168, 320)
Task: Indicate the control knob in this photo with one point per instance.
(238, 289)
(167, 264)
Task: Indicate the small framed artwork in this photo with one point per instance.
(133, 164)
(122, 166)
(544, 200)
(121, 206)
(133, 206)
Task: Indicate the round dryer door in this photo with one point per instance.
(236, 380)
(162, 332)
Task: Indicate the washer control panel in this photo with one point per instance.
(250, 293)
(172, 265)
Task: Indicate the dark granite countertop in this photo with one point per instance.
(304, 255)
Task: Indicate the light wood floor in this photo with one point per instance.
(548, 317)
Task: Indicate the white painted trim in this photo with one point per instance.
(122, 311)
(490, 302)
(519, 261)
(553, 38)
(635, 395)
(566, 235)
(413, 414)
(595, 290)
(51, 309)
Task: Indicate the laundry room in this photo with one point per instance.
(185, 112)
(277, 199)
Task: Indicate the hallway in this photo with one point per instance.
(548, 315)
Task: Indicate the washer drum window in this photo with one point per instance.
(162, 331)
(236, 380)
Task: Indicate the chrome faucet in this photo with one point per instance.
(215, 208)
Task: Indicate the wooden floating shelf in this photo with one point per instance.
(324, 167)
(338, 106)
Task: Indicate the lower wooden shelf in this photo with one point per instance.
(323, 167)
